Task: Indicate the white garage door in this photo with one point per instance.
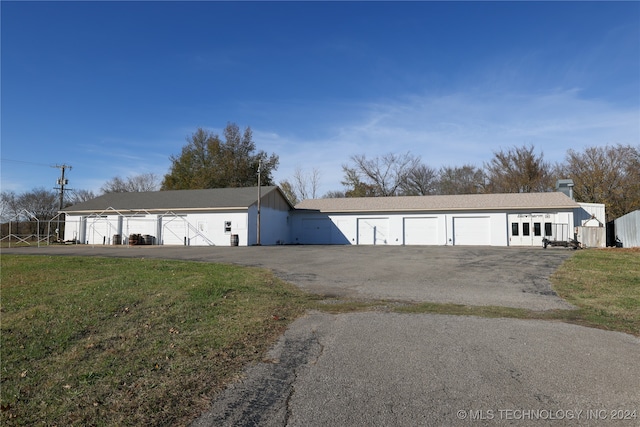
(421, 231)
(317, 231)
(174, 230)
(373, 231)
(99, 231)
(471, 231)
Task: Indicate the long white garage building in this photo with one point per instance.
(229, 216)
(516, 219)
(210, 217)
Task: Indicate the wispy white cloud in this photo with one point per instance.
(461, 128)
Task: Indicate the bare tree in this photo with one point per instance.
(145, 182)
(334, 194)
(355, 187)
(380, 176)
(39, 203)
(467, 179)
(518, 170)
(132, 184)
(79, 196)
(609, 175)
(42, 203)
(306, 184)
(420, 181)
(9, 204)
(289, 192)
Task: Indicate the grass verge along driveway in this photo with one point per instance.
(106, 341)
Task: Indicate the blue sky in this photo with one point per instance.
(114, 88)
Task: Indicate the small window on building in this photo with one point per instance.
(526, 229)
(514, 229)
(227, 226)
(537, 230)
(547, 229)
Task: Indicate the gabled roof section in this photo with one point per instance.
(176, 200)
(466, 202)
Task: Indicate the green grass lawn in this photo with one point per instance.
(605, 286)
(90, 341)
(105, 341)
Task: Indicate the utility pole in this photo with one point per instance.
(62, 181)
(259, 197)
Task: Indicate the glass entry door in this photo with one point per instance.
(527, 229)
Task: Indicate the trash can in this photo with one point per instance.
(235, 241)
(117, 239)
(148, 239)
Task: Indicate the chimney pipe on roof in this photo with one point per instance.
(565, 186)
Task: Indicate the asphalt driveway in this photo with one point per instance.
(390, 369)
(509, 277)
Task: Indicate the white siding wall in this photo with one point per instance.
(478, 228)
(391, 229)
(309, 228)
(204, 229)
(194, 229)
(304, 227)
(274, 226)
(588, 210)
(73, 227)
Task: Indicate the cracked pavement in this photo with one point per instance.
(263, 397)
(390, 369)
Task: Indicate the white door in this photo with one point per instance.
(520, 232)
(421, 231)
(174, 230)
(99, 230)
(528, 229)
(538, 228)
(317, 231)
(201, 235)
(373, 231)
(472, 231)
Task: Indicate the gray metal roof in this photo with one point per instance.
(466, 202)
(175, 200)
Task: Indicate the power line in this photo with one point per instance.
(25, 162)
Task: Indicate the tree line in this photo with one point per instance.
(604, 174)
